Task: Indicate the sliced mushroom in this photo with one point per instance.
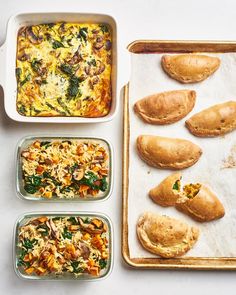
(54, 231)
(78, 174)
(76, 58)
(22, 32)
(32, 37)
(22, 56)
(95, 31)
(100, 67)
(91, 228)
(62, 29)
(48, 162)
(98, 45)
(108, 45)
(85, 251)
(25, 154)
(93, 81)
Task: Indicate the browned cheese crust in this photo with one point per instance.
(170, 153)
(189, 68)
(216, 120)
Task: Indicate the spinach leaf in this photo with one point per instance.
(18, 73)
(50, 25)
(75, 265)
(35, 180)
(102, 263)
(176, 185)
(57, 44)
(73, 168)
(45, 228)
(66, 234)
(104, 28)
(86, 220)
(36, 64)
(73, 220)
(66, 69)
(21, 261)
(73, 88)
(27, 78)
(104, 184)
(92, 62)
(32, 184)
(56, 218)
(28, 244)
(89, 180)
(22, 110)
(31, 189)
(83, 34)
(63, 105)
(45, 143)
(48, 176)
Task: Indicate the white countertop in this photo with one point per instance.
(153, 19)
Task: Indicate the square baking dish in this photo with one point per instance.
(8, 62)
(26, 141)
(23, 219)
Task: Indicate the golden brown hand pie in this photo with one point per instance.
(200, 203)
(189, 68)
(216, 120)
(166, 107)
(165, 236)
(164, 152)
(166, 193)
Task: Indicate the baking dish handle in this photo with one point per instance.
(2, 64)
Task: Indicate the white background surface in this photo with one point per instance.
(183, 19)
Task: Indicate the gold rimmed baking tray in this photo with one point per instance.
(196, 263)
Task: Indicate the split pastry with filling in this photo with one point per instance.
(164, 194)
(194, 199)
(165, 236)
(189, 68)
(166, 107)
(164, 152)
(216, 120)
(200, 203)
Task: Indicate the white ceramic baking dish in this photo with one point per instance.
(8, 62)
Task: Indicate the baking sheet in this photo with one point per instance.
(217, 238)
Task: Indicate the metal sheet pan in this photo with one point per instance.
(198, 263)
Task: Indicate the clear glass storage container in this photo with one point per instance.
(26, 141)
(24, 219)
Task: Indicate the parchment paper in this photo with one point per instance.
(217, 238)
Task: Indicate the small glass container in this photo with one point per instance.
(26, 141)
(23, 219)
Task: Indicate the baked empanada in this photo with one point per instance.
(216, 120)
(165, 236)
(189, 68)
(164, 152)
(166, 107)
(166, 193)
(200, 203)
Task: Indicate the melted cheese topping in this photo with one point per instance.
(64, 69)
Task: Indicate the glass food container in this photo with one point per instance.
(27, 141)
(24, 219)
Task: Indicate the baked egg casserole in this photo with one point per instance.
(64, 69)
